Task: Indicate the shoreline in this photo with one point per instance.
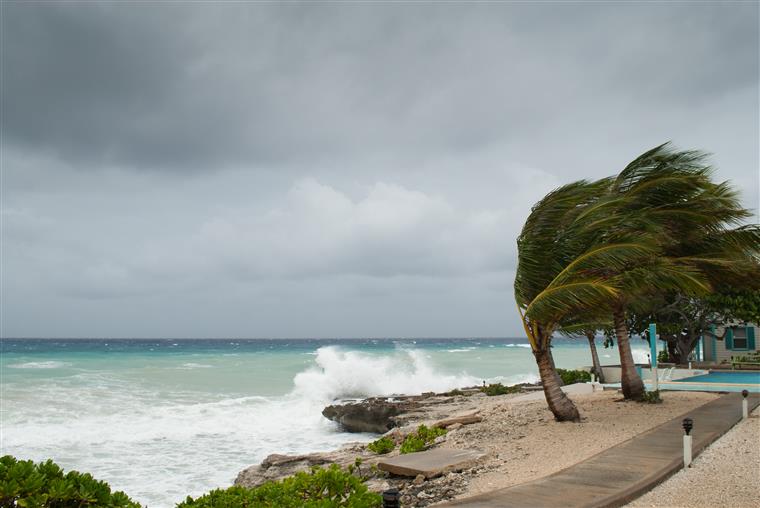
(520, 439)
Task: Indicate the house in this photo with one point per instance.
(723, 343)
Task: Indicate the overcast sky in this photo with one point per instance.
(331, 170)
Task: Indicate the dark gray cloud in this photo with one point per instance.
(188, 86)
(164, 158)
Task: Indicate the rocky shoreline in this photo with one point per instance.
(393, 417)
(516, 434)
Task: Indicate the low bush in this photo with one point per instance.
(382, 446)
(574, 376)
(330, 487)
(663, 356)
(44, 485)
(651, 397)
(500, 389)
(421, 439)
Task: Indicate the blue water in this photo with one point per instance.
(161, 419)
(724, 377)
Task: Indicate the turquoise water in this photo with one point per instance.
(724, 377)
(161, 419)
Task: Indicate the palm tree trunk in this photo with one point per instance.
(633, 386)
(559, 403)
(591, 336)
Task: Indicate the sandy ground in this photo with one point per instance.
(725, 474)
(524, 442)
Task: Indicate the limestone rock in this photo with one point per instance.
(370, 415)
(277, 466)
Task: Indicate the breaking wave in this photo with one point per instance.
(353, 374)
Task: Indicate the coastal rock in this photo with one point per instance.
(370, 415)
(277, 466)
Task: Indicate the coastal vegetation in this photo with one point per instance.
(500, 389)
(570, 376)
(602, 251)
(652, 397)
(382, 446)
(44, 485)
(320, 487)
(420, 439)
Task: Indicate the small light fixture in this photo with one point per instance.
(391, 498)
(688, 424)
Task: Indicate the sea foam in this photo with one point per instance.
(353, 374)
(39, 365)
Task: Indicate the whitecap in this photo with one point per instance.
(191, 365)
(40, 365)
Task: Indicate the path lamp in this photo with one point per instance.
(688, 424)
(391, 498)
(745, 409)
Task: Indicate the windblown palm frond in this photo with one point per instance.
(552, 304)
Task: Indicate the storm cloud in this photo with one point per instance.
(314, 170)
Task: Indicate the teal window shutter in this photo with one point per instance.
(730, 339)
(751, 338)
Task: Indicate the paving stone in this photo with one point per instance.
(430, 463)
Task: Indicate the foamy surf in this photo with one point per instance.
(353, 374)
(158, 424)
(39, 365)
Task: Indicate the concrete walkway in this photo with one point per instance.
(624, 472)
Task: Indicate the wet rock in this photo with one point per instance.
(370, 415)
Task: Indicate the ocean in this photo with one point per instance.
(164, 418)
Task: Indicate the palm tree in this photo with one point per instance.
(670, 195)
(608, 244)
(591, 336)
(560, 272)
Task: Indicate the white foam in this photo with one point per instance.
(352, 374)
(514, 379)
(463, 350)
(39, 365)
(191, 365)
(518, 345)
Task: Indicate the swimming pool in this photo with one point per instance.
(743, 378)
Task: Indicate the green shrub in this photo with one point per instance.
(382, 446)
(663, 356)
(421, 439)
(574, 376)
(43, 485)
(455, 391)
(500, 389)
(651, 397)
(330, 487)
